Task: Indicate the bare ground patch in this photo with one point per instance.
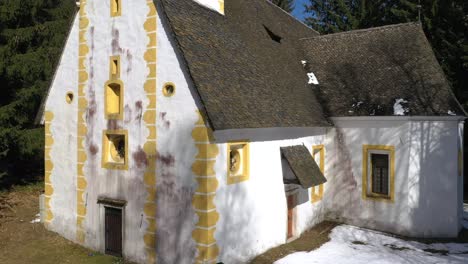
(308, 241)
(24, 242)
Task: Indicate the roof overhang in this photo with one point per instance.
(398, 118)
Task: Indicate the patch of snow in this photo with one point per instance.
(312, 78)
(450, 112)
(358, 104)
(37, 220)
(353, 245)
(398, 109)
(304, 62)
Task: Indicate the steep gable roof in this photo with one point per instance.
(245, 65)
(365, 72)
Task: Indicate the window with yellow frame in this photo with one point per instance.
(238, 162)
(115, 8)
(378, 172)
(318, 153)
(115, 149)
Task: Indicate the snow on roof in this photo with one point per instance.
(312, 78)
(398, 108)
(216, 5)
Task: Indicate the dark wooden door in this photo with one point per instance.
(113, 226)
(291, 204)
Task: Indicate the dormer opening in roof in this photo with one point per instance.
(272, 35)
(216, 5)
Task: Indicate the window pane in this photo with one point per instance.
(380, 175)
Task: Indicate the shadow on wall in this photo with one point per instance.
(174, 215)
(423, 183)
(424, 149)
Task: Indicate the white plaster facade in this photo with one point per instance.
(252, 213)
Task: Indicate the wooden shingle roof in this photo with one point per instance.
(365, 72)
(244, 76)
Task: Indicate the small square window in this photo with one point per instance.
(114, 68)
(114, 100)
(378, 172)
(115, 150)
(237, 162)
(116, 8)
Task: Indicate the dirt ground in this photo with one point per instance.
(308, 241)
(24, 242)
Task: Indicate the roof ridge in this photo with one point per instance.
(289, 14)
(366, 30)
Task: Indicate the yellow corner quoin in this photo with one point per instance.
(115, 8)
(317, 191)
(149, 118)
(115, 149)
(114, 95)
(203, 169)
(368, 195)
(82, 130)
(238, 162)
(49, 166)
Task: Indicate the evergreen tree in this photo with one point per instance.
(32, 35)
(286, 5)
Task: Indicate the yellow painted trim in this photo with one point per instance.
(166, 91)
(317, 191)
(203, 169)
(105, 146)
(221, 6)
(149, 118)
(115, 8)
(207, 254)
(114, 70)
(245, 174)
(365, 162)
(48, 167)
(107, 100)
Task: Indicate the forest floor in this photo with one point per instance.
(23, 240)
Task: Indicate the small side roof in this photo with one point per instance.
(303, 166)
(365, 72)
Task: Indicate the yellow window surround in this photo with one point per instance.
(367, 172)
(238, 162)
(113, 101)
(114, 68)
(317, 191)
(115, 8)
(115, 149)
(169, 89)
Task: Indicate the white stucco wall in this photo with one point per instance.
(253, 213)
(63, 129)
(126, 37)
(176, 185)
(425, 176)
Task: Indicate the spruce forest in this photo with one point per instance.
(33, 32)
